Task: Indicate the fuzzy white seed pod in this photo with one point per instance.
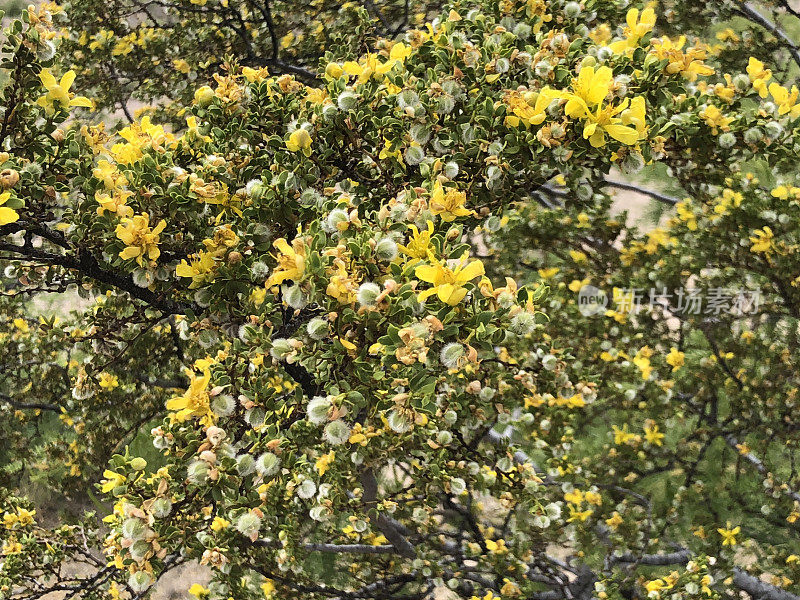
(267, 464)
(318, 409)
(386, 249)
(336, 432)
(306, 489)
(368, 293)
(452, 355)
(317, 328)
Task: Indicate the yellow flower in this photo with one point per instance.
(448, 284)
(675, 359)
(689, 64)
(141, 242)
(218, 524)
(652, 434)
(622, 436)
(291, 262)
(299, 141)
(195, 401)
(728, 534)
(200, 268)
(111, 480)
(575, 514)
(762, 241)
(759, 76)
(604, 121)
(614, 521)
(324, 462)
(786, 100)
(7, 215)
(588, 89)
(638, 27)
(255, 75)
(109, 175)
(715, 119)
(268, 588)
(449, 204)
(108, 381)
(420, 243)
(115, 202)
(58, 95)
(528, 108)
(198, 591)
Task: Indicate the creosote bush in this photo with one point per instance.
(329, 339)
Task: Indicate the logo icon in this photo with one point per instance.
(592, 301)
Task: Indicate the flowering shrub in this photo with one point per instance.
(331, 344)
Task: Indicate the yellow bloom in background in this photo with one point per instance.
(623, 436)
(108, 381)
(762, 240)
(729, 534)
(689, 64)
(195, 402)
(614, 521)
(109, 174)
(450, 204)
(114, 202)
(7, 215)
(111, 480)
(715, 119)
(675, 358)
(419, 246)
(324, 462)
(198, 591)
(639, 25)
(291, 262)
(651, 433)
(759, 76)
(785, 99)
(448, 284)
(140, 240)
(58, 95)
(299, 141)
(137, 137)
(268, 588)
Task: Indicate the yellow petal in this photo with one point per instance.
(427, 273)
(8, 215)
